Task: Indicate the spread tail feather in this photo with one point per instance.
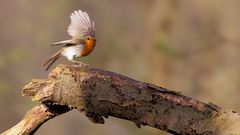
(51, 60)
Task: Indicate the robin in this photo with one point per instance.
(82, 43)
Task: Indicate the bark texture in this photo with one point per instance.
(100, 94)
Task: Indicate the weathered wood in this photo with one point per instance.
(34, 119)
(100, 93)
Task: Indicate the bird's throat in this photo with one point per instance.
(88, 47)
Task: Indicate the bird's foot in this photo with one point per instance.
(80, 64)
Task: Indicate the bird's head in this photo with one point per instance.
(89, 40)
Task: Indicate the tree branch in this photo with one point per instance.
(35, 118)
(100, 94)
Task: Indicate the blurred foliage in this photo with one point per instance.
(189, 46)
(162, 44)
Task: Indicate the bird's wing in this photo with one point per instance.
(81, 25)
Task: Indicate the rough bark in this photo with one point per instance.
(100, 93)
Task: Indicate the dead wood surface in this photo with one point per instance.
(99, 94)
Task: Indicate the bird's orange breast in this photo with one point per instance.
(88, 47)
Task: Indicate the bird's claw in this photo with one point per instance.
(80, 64)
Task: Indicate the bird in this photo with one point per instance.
(83, 41)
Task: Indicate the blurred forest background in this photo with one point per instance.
(191, 46)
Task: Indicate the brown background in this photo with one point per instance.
(188, 46)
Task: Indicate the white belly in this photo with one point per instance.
(72, 51)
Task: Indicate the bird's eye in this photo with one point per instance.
(88, 38)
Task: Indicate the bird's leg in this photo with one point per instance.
(78, 63)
